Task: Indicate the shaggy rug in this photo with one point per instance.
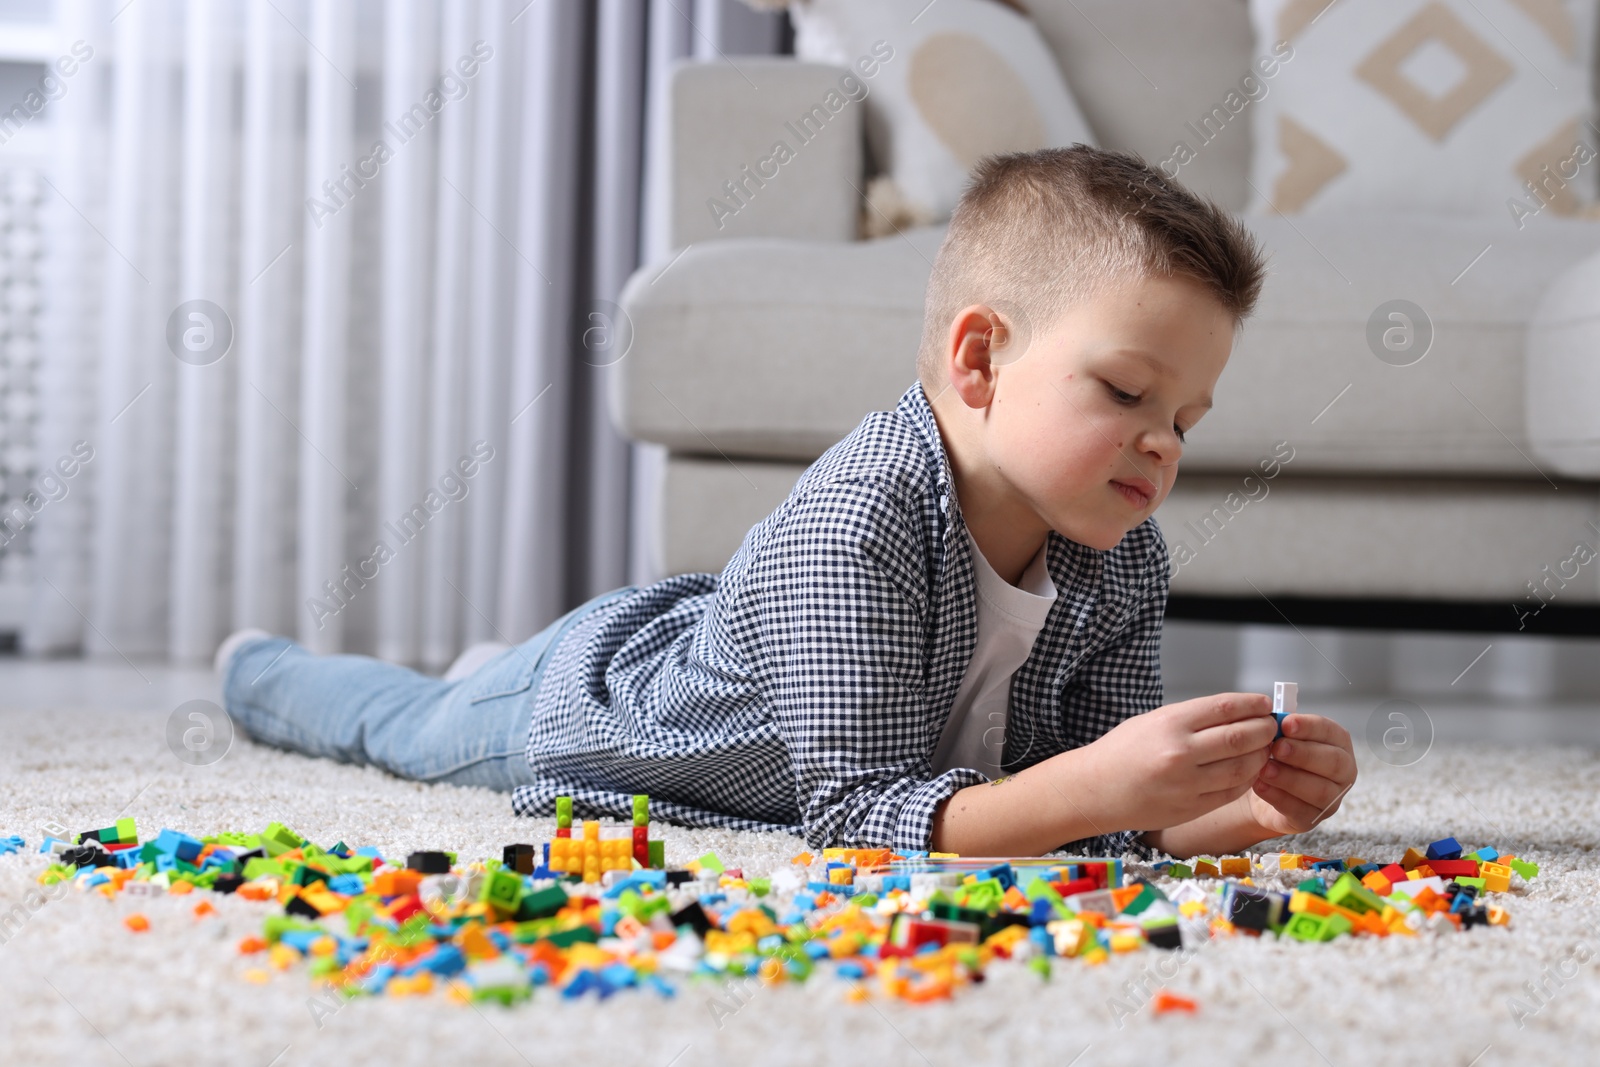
(77, 987)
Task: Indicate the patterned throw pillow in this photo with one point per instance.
(967, 78)
(1453, 106)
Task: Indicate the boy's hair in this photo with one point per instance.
(1039, 232)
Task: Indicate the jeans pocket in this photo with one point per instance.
(508, 674)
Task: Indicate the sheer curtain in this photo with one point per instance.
(327, 295)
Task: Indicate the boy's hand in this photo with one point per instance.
(1179, 761)
(1312, 767)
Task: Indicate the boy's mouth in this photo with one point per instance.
(1137, 492)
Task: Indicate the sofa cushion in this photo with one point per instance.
(777, 349)
(1428, 105)
(956, 81)
(1143, 70)
(1311, 537)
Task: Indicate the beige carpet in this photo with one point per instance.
(76, 987)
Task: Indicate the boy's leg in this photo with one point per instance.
(357, 709)
(361, 710)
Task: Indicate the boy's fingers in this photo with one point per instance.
(1205, 712)
(1329, 761)
(1301, 815)
(1233, 739)
(1316, 728)
(1313, 789)
(1227, 773)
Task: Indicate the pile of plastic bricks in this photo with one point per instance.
(608, 914)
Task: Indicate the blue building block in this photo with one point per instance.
(184, 847)
(1446, 848)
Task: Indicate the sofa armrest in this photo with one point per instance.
(1563, 374)
(755, 151)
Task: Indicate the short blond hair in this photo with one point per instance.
(1036, 233)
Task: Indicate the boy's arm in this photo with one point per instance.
(1167, 767)
(838, 600)
(1055, 803)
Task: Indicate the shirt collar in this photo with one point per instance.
(914, 408)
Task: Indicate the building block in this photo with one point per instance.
(1446, 848)
(502, 890)
(277, 839)
(564, 813)
(1351, 894)
(641, 809)
(1285, 701)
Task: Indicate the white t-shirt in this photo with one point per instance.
(1009, 619)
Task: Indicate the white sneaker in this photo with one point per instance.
(231, 644)
(473, 658)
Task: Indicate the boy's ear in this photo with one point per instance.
(978, 335)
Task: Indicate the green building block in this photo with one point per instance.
(1148, 895)
(1334, 926)
(306, 874)
(1476, 883)
(273, 927)
(277, 839)
(1306, 927)
(502, 890)
(1524, 868)
(984, 896)
(570, 937)
(260, 866)
(658, 854)
(1039, 889)
(641, 809)
(564, 812)
(762, 886)
(356, 915)
(127, 831)
(1348, 892)
(710, 862)
(1180, 870)
(541, 902)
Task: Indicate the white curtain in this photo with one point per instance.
(327, 292)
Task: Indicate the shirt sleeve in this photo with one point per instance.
(1121, 680)
(840, 603)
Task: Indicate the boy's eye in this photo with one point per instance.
(1120, 396)
(1181, 438)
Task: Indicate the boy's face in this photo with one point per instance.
(1082, 426)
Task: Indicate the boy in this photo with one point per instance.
(948, 635)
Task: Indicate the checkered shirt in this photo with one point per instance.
(804, 689)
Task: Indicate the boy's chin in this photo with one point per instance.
(1103, 538)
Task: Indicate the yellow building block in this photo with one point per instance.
(1234, 866)
(1496, 877)
(1126, 942)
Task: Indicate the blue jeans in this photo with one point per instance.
(356, 709)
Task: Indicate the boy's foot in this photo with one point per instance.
(230, 645)
(473, 658)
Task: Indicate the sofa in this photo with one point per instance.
(1447, 493)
